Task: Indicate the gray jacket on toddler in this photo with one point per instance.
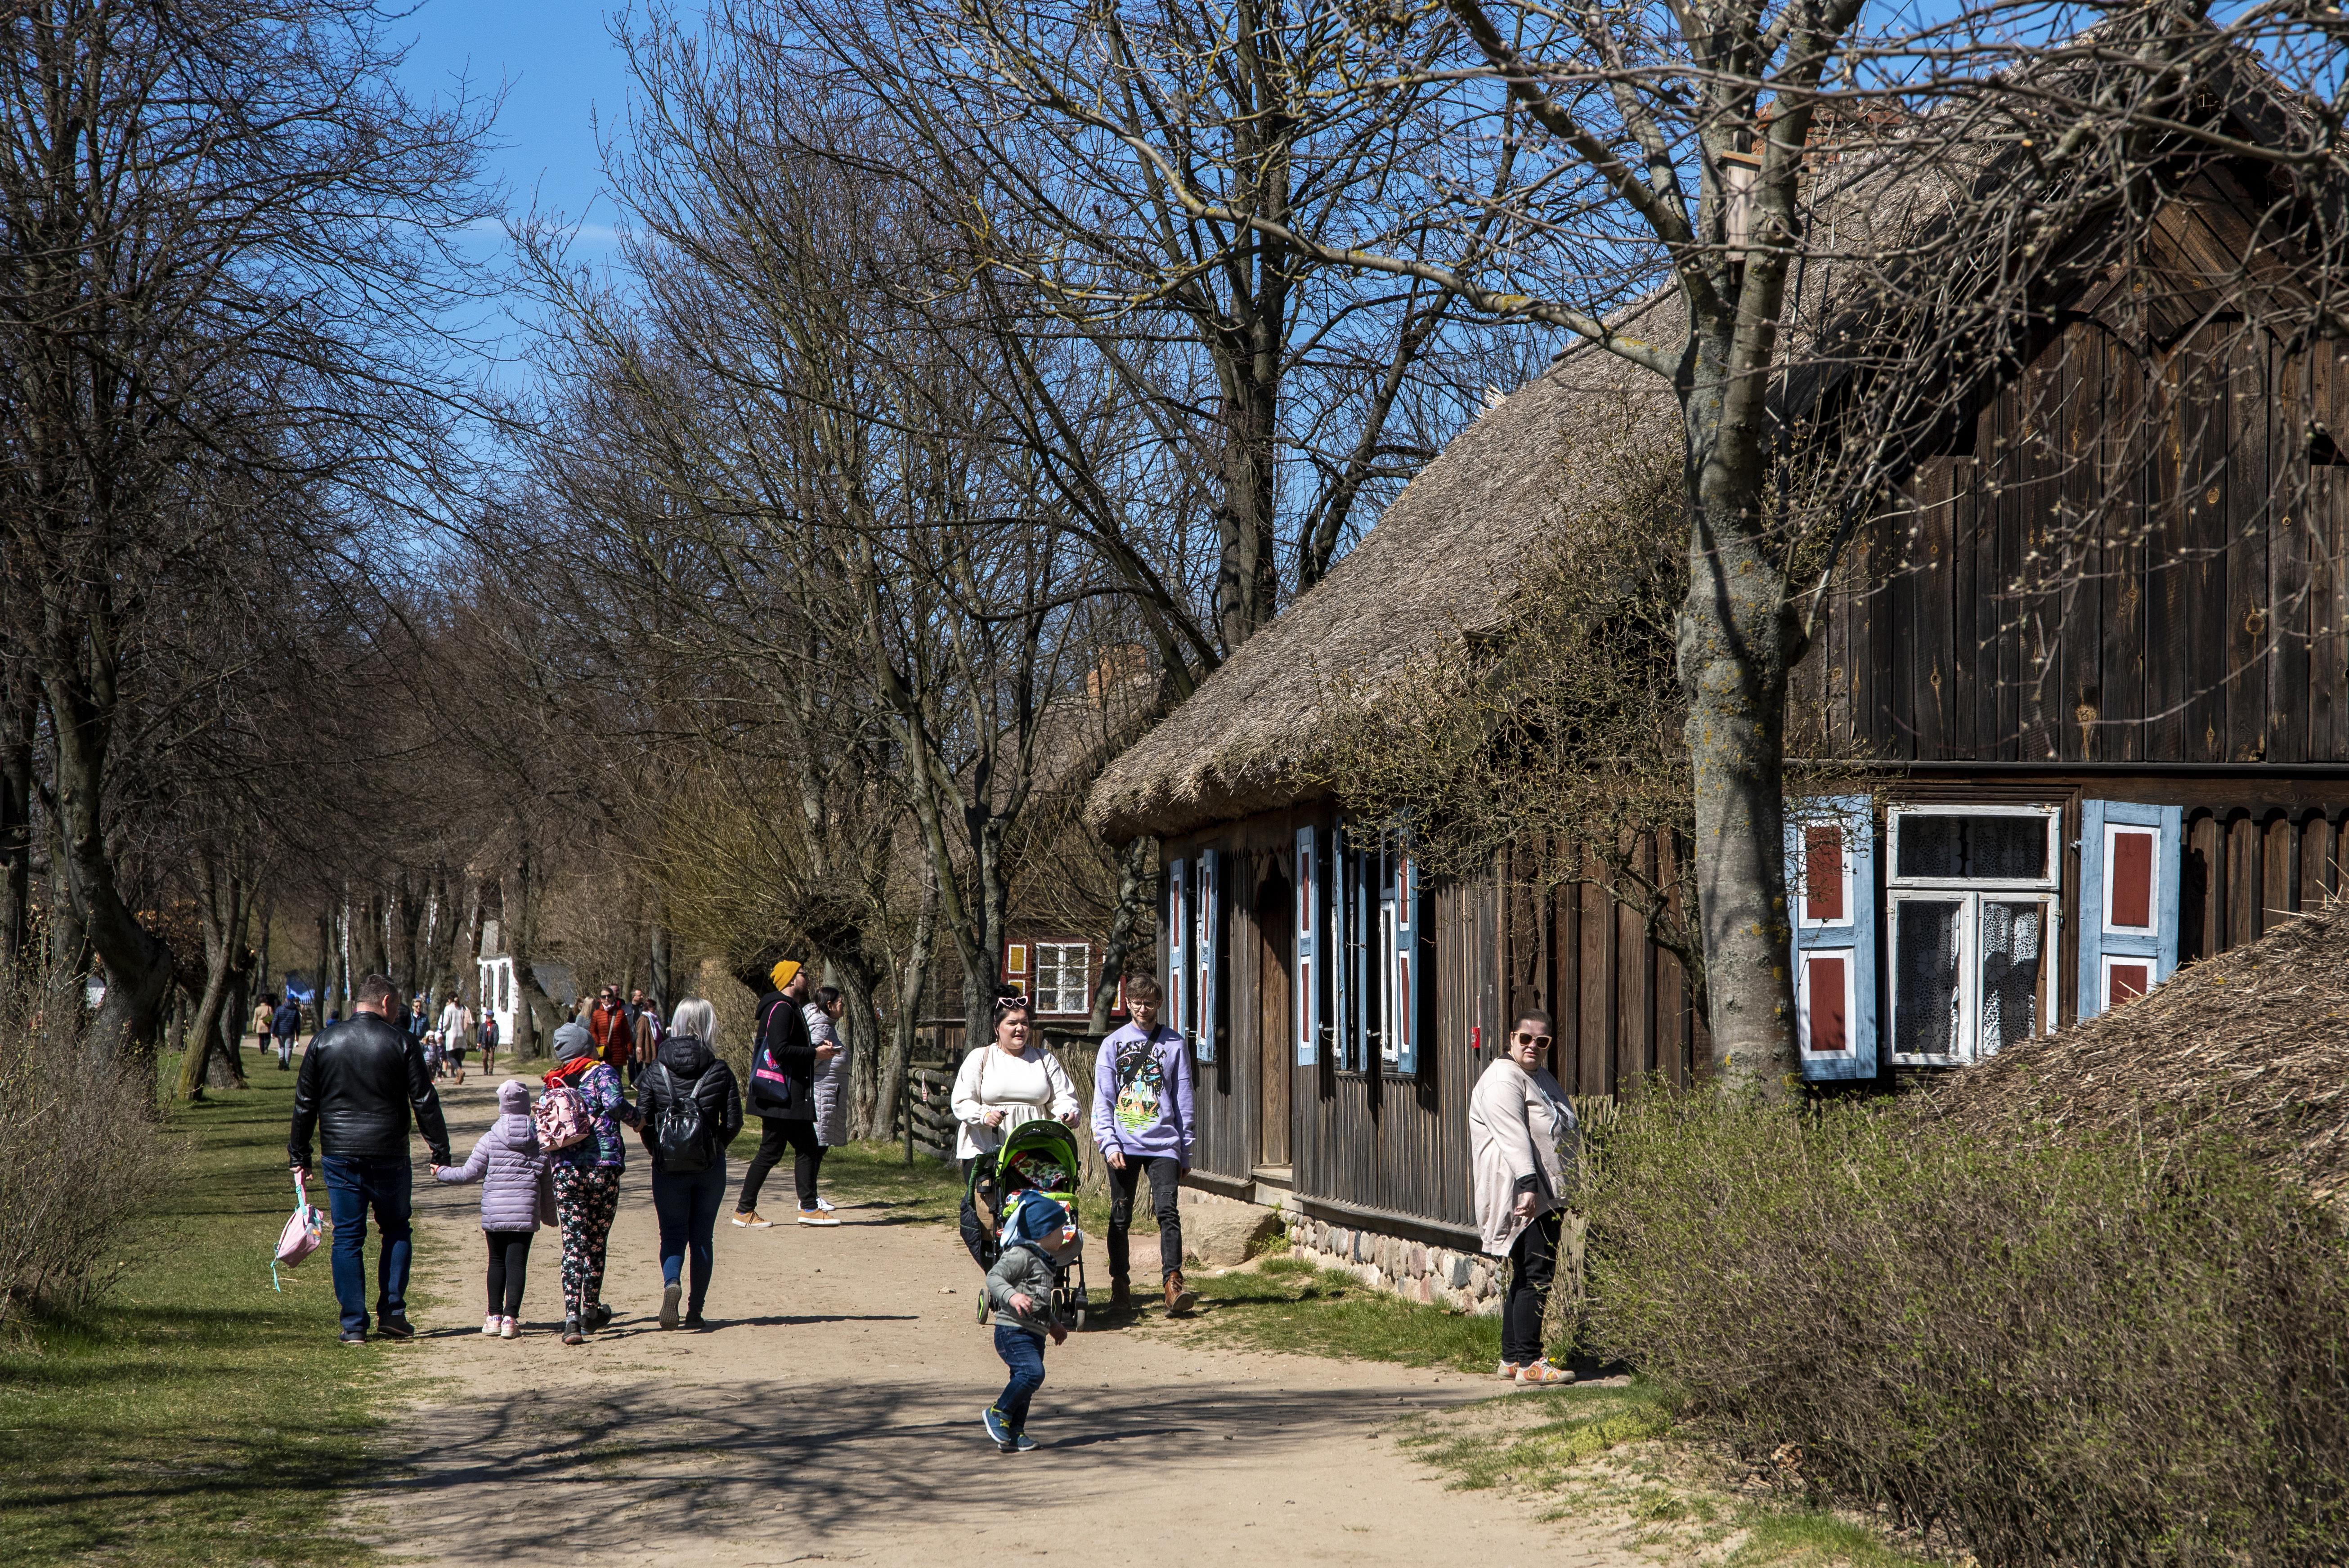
(1023, 1268)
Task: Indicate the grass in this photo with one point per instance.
(1612, 1455)
(195, 1417)
(1289, 1305)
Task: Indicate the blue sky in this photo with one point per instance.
(561, 74)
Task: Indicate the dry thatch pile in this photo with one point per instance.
(2255, 1043)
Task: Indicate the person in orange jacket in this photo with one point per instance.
(607, 1025)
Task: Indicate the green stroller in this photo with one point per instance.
(1039, 1157)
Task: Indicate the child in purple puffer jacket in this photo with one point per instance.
(517, 1195)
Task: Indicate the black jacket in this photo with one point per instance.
(785, 1043)
(688, 1063)
(357, 1081)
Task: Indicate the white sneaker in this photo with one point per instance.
(816, 1217)
(491, 1323)
(509, 1330)
(824, 1203)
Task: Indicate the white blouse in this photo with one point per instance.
(1025, 1087)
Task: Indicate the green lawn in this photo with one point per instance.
(196, 1416)
(1288, 1303)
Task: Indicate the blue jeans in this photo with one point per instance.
(356, 1184)
(1022, 1350)
(688, 1208)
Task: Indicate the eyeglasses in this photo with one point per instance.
(1540, 1042)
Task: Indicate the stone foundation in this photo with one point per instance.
(1433, 1276)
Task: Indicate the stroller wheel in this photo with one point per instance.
(982, 1311)
(1080, 1317)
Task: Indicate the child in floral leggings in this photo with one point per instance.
(587, 1179)
(585, 1199)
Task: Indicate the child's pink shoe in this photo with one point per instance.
(509, 1330)
(492, 1325)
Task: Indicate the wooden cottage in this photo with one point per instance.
(2073, 800)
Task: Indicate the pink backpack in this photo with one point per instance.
(300, 1237)
(561, 1118)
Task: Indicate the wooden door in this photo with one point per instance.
(1275, 911)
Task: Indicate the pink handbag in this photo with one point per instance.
(300, 1235)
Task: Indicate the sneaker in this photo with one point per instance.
(670, 1294)
(1510, 1370)
(571, 1334)
(1542, 1375)
(1022, 1442)
(996, 1428)
(491, 1323)
(393, 1325)
(824, 1203)
(749, 1219)
(508, 1329)
(599, 1317)
(354, 1336)
(816, 1217)
(695, 1321)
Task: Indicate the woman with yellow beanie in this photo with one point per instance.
(783, 1062)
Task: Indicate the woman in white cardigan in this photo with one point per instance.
(1520, 1139)
(1001, 1085)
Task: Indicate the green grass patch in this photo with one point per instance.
(1575, 1424)
(1785, 1537)
(1290, 1305)
(195, 1416)
(875, 1175)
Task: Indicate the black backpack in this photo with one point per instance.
(680, 1131)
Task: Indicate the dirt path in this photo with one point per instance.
(833, 1415)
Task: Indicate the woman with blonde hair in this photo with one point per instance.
(690, 1108)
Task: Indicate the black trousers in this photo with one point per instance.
(1165, 1187)
(509, 1266)
(976, 1236)
(1533, 1264)
(807, 1157)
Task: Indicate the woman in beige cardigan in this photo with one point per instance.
(1520, 1132)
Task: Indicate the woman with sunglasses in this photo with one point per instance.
(1520, 1138)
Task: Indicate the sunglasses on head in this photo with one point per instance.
(1542, 1041)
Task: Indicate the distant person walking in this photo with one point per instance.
(1142, 1120)
(453, 1021)
(783, 1064)
(489, 1043)
(607, 1025)
(587, 1178)
(417, 1022)
(358, 1083)
(286, 1023)
(517, 1197)
(1520, 1138)
(264, 1014)
(823, 1013)
(997, 1087)
(689, 1107)
(644, 1029)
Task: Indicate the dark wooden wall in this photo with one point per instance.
(2247, 868)
(2138, 562)
(1622, 1005)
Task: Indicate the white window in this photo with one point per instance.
(1063, 977)
(1973, 892)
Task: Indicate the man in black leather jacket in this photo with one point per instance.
(357, 1082)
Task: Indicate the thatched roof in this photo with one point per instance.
(1438, 568)
(2255, 1043)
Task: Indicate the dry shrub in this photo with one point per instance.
(80, 1154)
(2039, 1351)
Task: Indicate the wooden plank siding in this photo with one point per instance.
(2196, 612)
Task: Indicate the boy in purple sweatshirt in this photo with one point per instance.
(1141, 1119)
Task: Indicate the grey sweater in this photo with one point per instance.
(1022, 1268)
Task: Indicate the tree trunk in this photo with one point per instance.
(1132, 878)
(913, 988)
(220, 914)
(1736, 639)
(19, 728)
(410, 929)
(657, 981)
(1247, 567)
(137, 965)
(519, 904)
